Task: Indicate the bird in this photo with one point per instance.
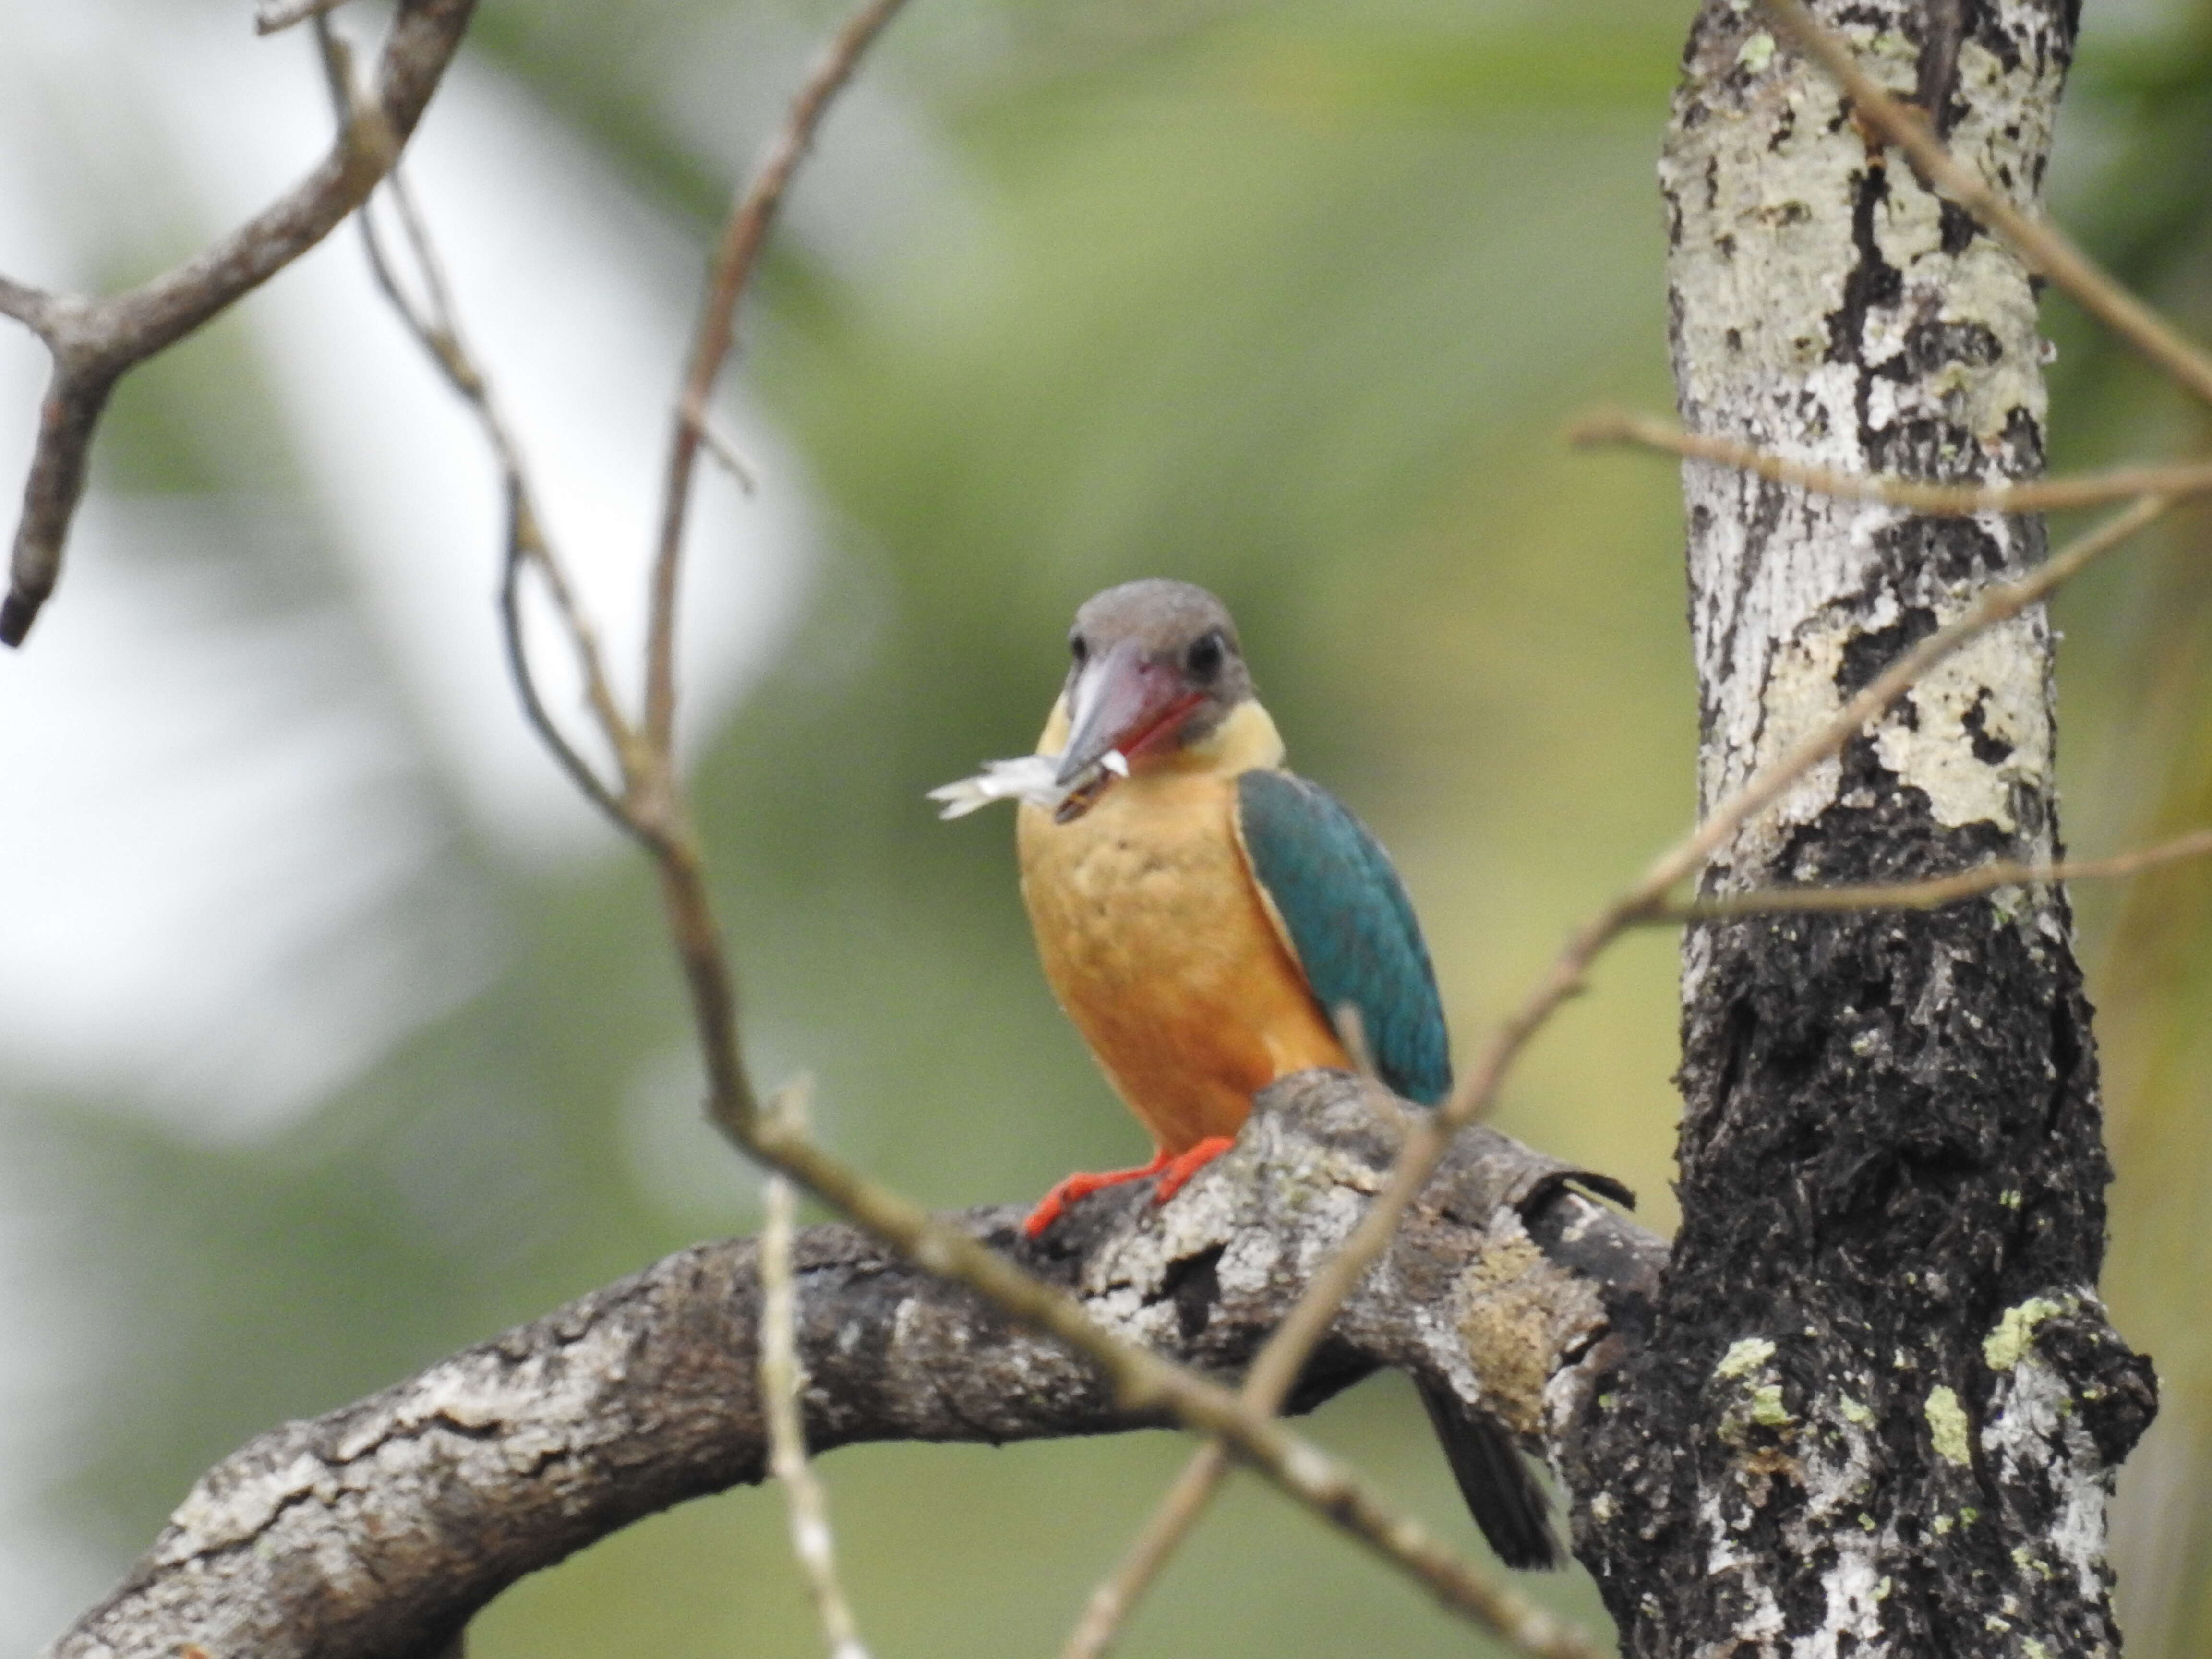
(1211, 923)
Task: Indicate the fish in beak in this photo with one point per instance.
(1124, 704)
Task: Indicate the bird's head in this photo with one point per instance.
(1156, 669)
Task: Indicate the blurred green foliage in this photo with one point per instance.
(1290, 299)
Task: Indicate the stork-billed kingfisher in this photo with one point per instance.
(1202, 914)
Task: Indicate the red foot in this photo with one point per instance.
(1183, 1165)
(1172, 1171)
(1077, 1186)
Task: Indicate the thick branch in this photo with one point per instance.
(379, 1529)
(95, 342)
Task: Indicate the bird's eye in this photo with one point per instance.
(1079, 648)
(1203, 659)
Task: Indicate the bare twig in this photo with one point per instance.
(76, 397)
(528, 549)
(435, 326)
(1936, 892)
(1511, 1617)
(724, 448)
(743, 237)
(275, 15)
(781, 1381)
(2037, 496)
(95, 342)
(1172, 1518)
(25, 304)
(2045, 248)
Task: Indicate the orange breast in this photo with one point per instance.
(1155, 941)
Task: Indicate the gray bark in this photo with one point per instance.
(1880, 1407)
(379, 1529)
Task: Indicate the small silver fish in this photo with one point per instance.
(1032, 778)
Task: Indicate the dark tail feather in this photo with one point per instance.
(1501, 1492)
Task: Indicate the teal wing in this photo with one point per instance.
(1353, 929)
(1350, 924)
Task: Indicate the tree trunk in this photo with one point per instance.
(1880, 1407)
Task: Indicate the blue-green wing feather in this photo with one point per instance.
(1350, 922)
(1353, 930)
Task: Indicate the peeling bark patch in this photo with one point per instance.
(1984, 728)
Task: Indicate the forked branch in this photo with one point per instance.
(94, 343)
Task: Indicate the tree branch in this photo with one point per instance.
(275, 15)
(1172, 1518)
(743, 238)
(1936, 892)
(27, 305)
(379, 1529)
(2035, 496)
(435, 324)
(95, 342)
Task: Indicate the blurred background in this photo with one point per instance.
(335, 1034)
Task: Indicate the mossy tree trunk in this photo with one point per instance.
(1880, 1408)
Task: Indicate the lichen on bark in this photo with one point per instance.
(1891, 1140)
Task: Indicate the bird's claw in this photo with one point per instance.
(1173, 1171)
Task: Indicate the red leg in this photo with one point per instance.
(1183, 1165)
(1075, 1185)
